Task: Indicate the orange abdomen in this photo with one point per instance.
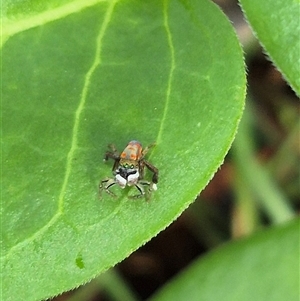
(133, 151)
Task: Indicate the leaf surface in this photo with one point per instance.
(277, 26)
(169, 72)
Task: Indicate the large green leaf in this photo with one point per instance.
(277, 26)
(80, 78)
(263, 267)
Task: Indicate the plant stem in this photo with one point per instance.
(111, 282)
(115, 286)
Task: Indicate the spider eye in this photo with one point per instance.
(131, 166)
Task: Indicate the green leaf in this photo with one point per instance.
(262, 267)
(277, 26)
(170, 72)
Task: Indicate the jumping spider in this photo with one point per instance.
(128, 169)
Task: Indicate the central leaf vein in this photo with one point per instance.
(74, 141)
(87, 81)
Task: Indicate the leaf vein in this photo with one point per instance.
(74, 141)
(172, 68)
(87, 81)
(12, 27)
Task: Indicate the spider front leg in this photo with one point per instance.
(105, 184)
(140, 187)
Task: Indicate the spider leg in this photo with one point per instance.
(154, 170)
(141, 189)
(140, 186)
(113, 148)
(147, 148)
(105, 184)
(112, 154)
(141, 169)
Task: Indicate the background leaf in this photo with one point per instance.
(154, 71)
(276, 24)
(268, 273)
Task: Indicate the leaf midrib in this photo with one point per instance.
(74, 144)
(172, 68)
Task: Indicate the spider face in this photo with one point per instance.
(129, 176)
(128, 169)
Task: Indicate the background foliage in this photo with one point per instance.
(78, 75)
